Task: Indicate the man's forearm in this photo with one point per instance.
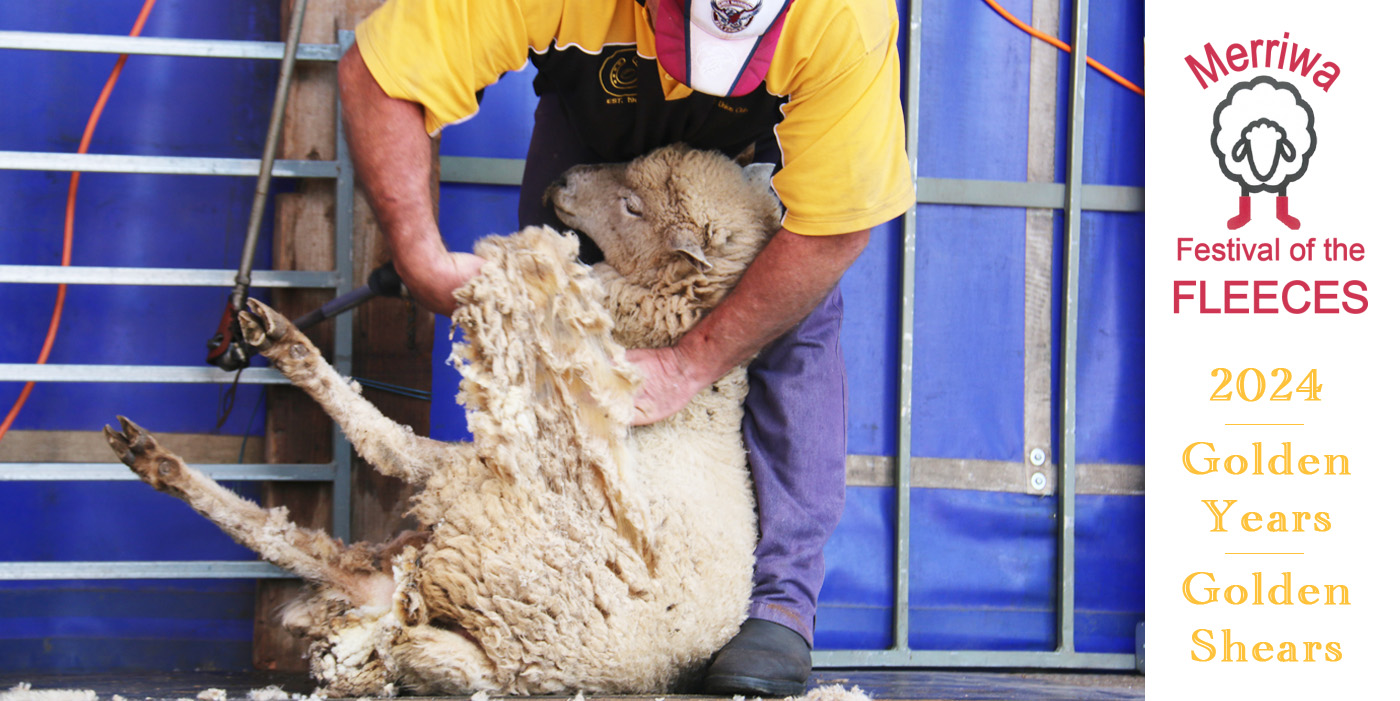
(791, 275)
(393, 160)
(786, 281)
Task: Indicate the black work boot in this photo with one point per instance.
(764, 659)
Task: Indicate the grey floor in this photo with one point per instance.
(926, 685)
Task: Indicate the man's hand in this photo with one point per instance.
(667, 383)
(432, 275)
(790, 276)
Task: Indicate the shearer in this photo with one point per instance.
(814, 84)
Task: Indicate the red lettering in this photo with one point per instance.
(1213, 62)
(1259, 296)
(1319, 295)
(1232, 295)
(1303, 61)
(1178, 295)
(1237, 57)
(1205, 309)
(1346, 290)
(1289, 307)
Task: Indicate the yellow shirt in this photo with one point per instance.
(836, 69)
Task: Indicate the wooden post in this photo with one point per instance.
(393, 343)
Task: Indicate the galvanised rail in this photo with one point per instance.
(1072, 197)
(336, 472)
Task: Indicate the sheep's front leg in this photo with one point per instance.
(389, 446)
(310, 554)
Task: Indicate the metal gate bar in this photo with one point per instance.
(163, 277)
(1069, 328)
(1073, 197)
(194, 374)
(337, 472)
(903, 469)
(1064, 656)
(109, 472)
(157, 46)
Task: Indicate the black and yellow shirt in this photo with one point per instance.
(831, 98)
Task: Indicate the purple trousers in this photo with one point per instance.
(794, 418)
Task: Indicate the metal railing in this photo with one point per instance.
(1073, 197)
(1074, 194)
(336, 472)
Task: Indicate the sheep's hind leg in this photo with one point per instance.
(389, 446)
(310, 554)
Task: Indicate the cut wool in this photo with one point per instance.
(213, 695)
(268, 693)
(835, 692)
(23, 691)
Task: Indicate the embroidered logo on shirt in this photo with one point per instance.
(734, 15)
(618, 76)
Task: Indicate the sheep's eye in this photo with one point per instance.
(633, 205)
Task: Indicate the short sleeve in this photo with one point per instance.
(440, 53)
(842, 135)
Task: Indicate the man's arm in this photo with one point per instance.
(787, 280)
(393, 159)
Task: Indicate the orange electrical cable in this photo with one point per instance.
(68, 218)
(1063, 47)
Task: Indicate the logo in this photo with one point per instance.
(618, 76)
(1263, 138)
(734, 15)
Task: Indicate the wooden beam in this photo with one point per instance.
(1036, 455)
(90, 446)
(303, 239)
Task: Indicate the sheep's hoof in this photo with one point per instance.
(138, 449)
(263, 328)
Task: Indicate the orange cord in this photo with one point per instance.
(68, 218)
(1063, 47)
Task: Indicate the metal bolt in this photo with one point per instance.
(1037, 457)
(1038, 481)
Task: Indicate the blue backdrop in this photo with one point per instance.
(983, 562)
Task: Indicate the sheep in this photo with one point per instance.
(1263, 138)
(561, 551)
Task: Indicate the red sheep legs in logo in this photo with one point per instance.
(1263, 139)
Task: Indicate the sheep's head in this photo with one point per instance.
(1263, 142)
(1263, 135)
(673, 214)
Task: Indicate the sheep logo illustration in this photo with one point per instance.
(1263, 139)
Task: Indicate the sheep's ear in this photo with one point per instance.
(1238, 152)
(745, 157)
(760, 175)
(1289, 152)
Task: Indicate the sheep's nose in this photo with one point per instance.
(551, 193)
